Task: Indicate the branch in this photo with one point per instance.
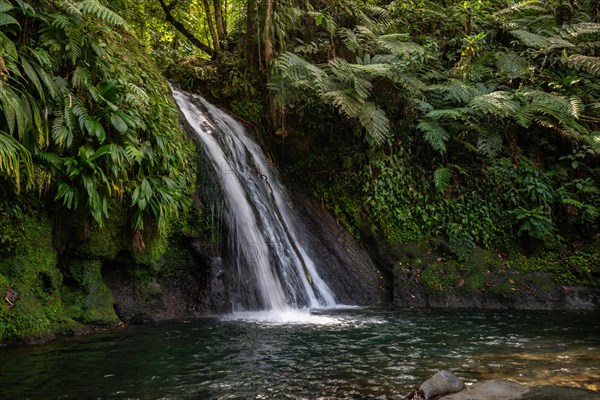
(182, 29)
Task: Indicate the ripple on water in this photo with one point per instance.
(329, 354)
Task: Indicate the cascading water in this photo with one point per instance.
(273, 270)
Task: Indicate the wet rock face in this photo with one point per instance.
(195, 289)
(342, 262)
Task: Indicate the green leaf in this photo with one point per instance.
(5, 7)
(6, 19)
(95, 128)
(118, 123)
(100, 152)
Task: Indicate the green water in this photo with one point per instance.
(334, 355)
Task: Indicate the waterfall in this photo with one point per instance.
(265, 251)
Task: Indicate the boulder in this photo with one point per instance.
(490, 390)
(442, 383)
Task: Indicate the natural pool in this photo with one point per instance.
(336, 354)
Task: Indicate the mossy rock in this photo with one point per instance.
(155, 246)
(87, 298)
(31, 272)
(101, 242)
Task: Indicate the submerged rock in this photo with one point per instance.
(490, 390)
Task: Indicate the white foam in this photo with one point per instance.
(285, 316)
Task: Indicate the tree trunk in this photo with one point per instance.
(181, 28)
(251, 33)
(268, 33)
(221, 29)
(211, 25)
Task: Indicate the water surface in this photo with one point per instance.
(336, 354)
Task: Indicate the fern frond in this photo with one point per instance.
(496, 105)
(513, 66)
(441, 178)
(12, 156)
(81, 78)
(540, 42)
(375, 122)
(454, 92)
(490, 143)
(93, 7)
(519, 7)
(435, 134)
(591, 65)
(136, 96)
(350, 40)
(578, 30)
(447, 114)
(398, 44)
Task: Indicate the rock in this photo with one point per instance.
(342, 262)
(548, 392)
(442, 383)
(490, 390)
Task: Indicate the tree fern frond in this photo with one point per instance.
(70, 7)
(519, 7)
(541, 42)
(350, 40)
(490, 143)
(495, 105)
(447, 114)
(435, 134)
(398, 44)
(104, 14)
(578, 30)
(375, 122)
(454, 92)
(513, 66)
(345, 100)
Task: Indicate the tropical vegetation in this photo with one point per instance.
(466, 125)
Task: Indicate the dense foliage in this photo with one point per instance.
(479, 120)
(93, 164)
(460, 127)
(84, 120)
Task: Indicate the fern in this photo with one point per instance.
(490, 143)
(93, 7)
(513, 66)
(495, 105)
(13, 155)
(374, 120)
(441, 178)
(435, 134)
(454, 92)
(541, 42)
(398, 44)
(591, 65)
